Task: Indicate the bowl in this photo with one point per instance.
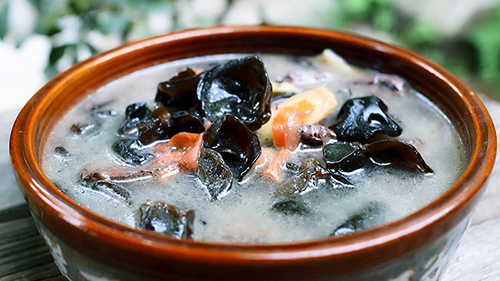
(87, 246)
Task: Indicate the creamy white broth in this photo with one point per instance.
(244, 214)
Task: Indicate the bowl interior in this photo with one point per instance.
(53, 101)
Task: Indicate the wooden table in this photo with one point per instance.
(24, 256)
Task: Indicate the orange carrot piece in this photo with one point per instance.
(183, 140)
(273, 171)
(161, 147)
(197, 70)
(183, 148)
(288, 122)
(168, 157)
(189, 159)
(266, 155)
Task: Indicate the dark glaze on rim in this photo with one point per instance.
(155, 255)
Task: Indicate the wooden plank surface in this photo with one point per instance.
(23, 253)
(24, 256)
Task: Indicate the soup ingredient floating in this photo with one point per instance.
(226, 135)
(235, 102)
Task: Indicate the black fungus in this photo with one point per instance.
(290, 206)
(360, 119)
(345, 157)
(397, 154)
(184, 121)
(292, 167)
(241, 88)
(180, 91)
(164, 125)
(315, 135)
(85, 128)
(61, 151)
(130, 152)
(114, 189)
(235, 142)
(281, 97)
(136, 116)
(367, 217)
(157, 128)
(100, 111)
(311, 176)
(166, 219)
(103, 184)
(214, 174)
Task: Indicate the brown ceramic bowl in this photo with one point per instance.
(86, 245)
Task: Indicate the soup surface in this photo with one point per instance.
(310, 174)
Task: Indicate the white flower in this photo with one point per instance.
(70, 28)
(21, 20)
(22, 70)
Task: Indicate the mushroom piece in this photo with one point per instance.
(360, 119)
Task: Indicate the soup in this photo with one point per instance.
(310, 147)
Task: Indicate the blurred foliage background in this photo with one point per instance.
(463, 36)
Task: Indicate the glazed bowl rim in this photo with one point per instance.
(465, 188)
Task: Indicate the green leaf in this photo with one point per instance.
(486, 39)
(3, 19)
(80, 6)
(91, 48)
(384, 20)
(47, 24)
(56, 54)
(358, 7)
(421, 32)
(126, 31)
